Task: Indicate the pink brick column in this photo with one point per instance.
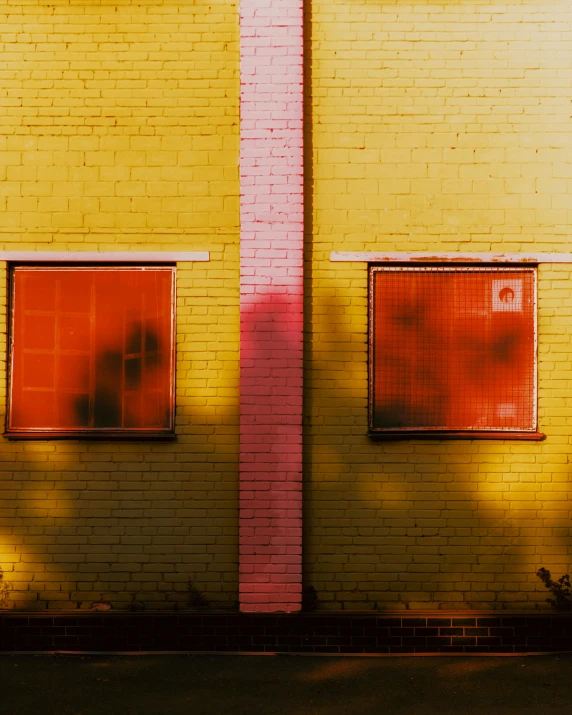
(271, 300)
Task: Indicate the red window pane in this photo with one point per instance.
(452, 349)
(92, 349)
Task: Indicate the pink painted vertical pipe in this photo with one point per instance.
(271, 305)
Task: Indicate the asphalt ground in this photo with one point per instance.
(292, 685)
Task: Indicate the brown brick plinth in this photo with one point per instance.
(348, 633)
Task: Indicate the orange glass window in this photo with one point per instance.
(452, 350)
(91, 350)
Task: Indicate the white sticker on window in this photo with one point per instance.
(507, 296)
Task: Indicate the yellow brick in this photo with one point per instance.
(467, 161)
(90, 171)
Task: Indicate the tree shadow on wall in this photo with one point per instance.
(413, 523)
(271, 402)
(86, 521)
(131, 387)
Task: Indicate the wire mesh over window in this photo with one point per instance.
(91, 349)
(452, 349)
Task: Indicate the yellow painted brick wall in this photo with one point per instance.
(436, 126)
(118, 131)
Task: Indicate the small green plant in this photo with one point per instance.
(197, 601)
(561, 590)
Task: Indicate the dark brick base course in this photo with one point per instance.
(349, 633)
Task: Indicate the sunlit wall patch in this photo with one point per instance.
(452, 351)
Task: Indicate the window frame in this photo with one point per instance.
(137, 434)
(402, 433)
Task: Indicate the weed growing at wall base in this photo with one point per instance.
(560, 589)
(5, 588)
(197, 601)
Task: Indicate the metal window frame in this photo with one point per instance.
(377, 433)
(92, 433)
